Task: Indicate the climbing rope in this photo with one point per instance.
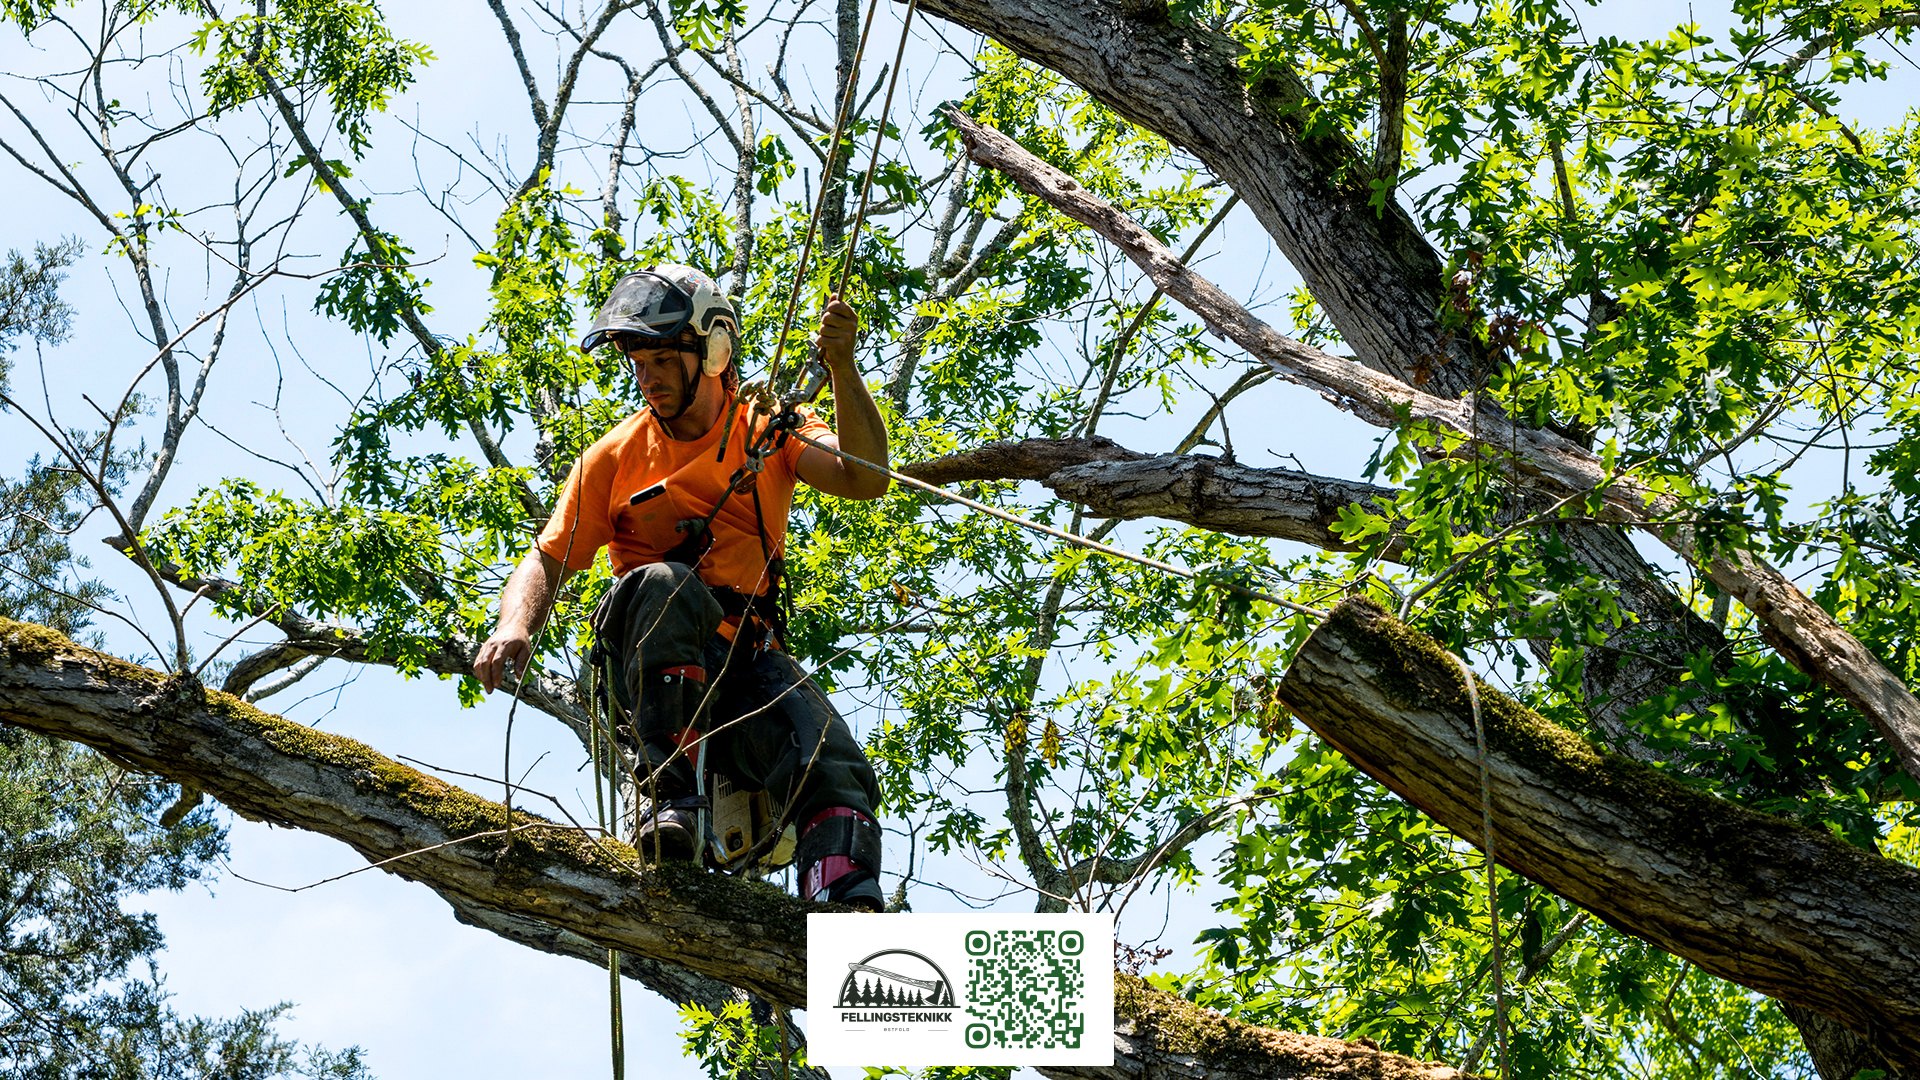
(785, 421)
(820, 202)
(1486, 848)
(771, 390)
(873, 158)
(606, 800)
(811, 389)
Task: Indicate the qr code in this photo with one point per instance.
(1026, 989)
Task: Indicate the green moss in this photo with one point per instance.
(1179, 1027)
(31, 641)
(1415, 672)
(457, 810)
(536, 842)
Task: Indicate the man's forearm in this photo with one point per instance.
(527, 599)
(860, 431)
(857, 421)
(525, 604)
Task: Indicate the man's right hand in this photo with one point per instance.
(524, 605)
(503, 648)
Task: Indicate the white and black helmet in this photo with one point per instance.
(661, 301)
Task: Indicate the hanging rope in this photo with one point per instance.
(811, 389)
(1486, 848)
(785, 423)
(776, 366)
(606, 801)
(820, 202)
(873, 159)
(785, 408)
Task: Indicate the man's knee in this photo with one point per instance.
(655, 577)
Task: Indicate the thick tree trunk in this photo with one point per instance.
(1792, 913)
(1372, 272)
(1166, 1038)
(413, 825)
(547, 885)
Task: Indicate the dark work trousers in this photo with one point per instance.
(769, 728)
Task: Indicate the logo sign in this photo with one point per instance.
(920, 990)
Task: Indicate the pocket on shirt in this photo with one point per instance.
(650, 527)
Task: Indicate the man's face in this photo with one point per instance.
(666, 371)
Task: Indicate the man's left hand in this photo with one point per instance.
(838, 327)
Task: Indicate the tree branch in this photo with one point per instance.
(1795, 914)
(409, 312)
(1111, 481)
(546, 885)
(1372, 272)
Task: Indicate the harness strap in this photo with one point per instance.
(762, 615)
(844, 832)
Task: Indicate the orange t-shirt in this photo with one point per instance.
(595, 508)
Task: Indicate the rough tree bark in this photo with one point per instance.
(545, 884)
(1783, 909)
(1112, 481)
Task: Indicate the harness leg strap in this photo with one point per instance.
(839, 857)
(669, 721)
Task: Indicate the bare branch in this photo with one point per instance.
(1113, 482)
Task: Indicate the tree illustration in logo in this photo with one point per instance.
(896, 979)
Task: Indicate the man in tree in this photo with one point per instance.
(691, 499)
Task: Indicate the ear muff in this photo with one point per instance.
(719, 351)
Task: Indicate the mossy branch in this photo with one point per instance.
(1791, 912)
(543, 883)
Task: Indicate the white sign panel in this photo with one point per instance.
(919, 990)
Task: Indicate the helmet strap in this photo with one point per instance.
(689, 388)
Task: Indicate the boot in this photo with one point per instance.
(670, 831)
